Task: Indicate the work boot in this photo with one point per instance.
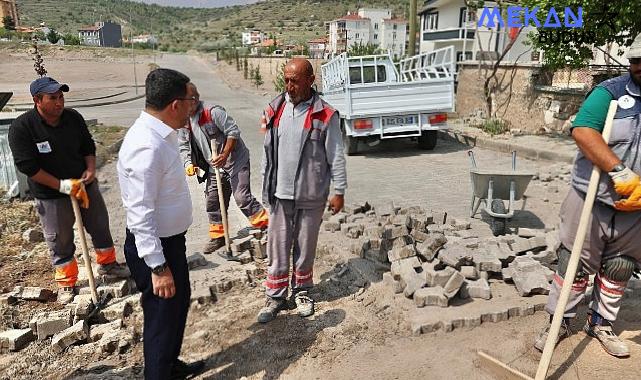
(214, 244)
(564, 332)
(114, 269)
(304, 303)
(66, 295)
(611, 343)
(181, 370)
(271, 309)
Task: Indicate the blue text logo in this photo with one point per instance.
(518, 17)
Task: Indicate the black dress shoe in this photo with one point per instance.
(182, 370)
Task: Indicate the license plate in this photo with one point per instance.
(399, 120)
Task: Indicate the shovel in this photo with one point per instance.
(501, 370)
(223, 210)
(97, 304)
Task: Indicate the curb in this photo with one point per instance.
(506, 147)
(93, 104)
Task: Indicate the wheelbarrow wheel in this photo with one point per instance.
(497, 225)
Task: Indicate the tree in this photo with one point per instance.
(360, 48)
(245, 68)
(71, 39)
(258, 78)
(237, 57)
(604, 23)
(279, 82)
(9, 23)
(53, 36)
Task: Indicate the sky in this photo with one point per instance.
(199, 3)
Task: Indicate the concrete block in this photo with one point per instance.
(528, 275)
(15, 340)
(118, 309)
(438, 277)
(469, 272)
(338, 218)
(552, 241)
(468, 235)
(401, 253)
(72, 335)
(456, 256)
(419, 236)
(245, 257)
(432, 296)
(453, 284)
(399, 220)
(495, 316)
(331, 226)
(537, 243)
(375, 232)
(96, 332)
(83, 306)
(31, 293)
(411, 210)
(198, 260)
(520, 245)
(431, 246)
(402, 241)
(546, 257)
(117, 289)
(259, 249)
(459, 224)
(47, 324)
(439, 217)
(33, 235)
(393, 232)
(476, 289)
(358, 208)
(486, 261)
(242, 244)
(352, 230)
(358, 218)
(529, 232)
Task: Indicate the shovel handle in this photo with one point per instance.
(570, 273)
(221, 197)
(85, 249)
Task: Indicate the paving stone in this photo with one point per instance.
(495, 316)
(15, 340)
(432, 296)
(486, 261)
(439, 217)
(529, 232)
(459, 224)
(352, 230)
(545, 257)
(198, 260)
(358, 218)
(467, 234)
(118, 309)
(552, 241)
(358, 208)
(399, 220)
(118, 289)
(259, 249)
(96, 332)
(401, 253)
(47, 324)
(72, 335)
(242, 244)
(537, 243)
(332, 226)
(456, 256)
(33, 235)
(520, 245)
(411, 210)
(393, 232)
(31, 293)
(528, 275)
(476, 289)
(402, 241)
(245, 257)
(385, 209)
(411, 280)
(419, 236)
(440, 278)
(374, 232)
(83, 306)
(453, 284)
(430, 247)
(469, 272)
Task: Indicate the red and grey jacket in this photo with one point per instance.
(319, 162)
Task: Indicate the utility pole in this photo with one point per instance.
(412, 43)
(133, 54)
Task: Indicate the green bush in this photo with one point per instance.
(493, 126)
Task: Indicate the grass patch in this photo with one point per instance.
(493, 126)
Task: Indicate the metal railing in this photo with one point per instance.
(434, 64)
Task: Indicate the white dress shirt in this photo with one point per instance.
(153, 186)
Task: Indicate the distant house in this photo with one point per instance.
(369, 26)
(252, 37)
(8, 8)
(105, 34)
(317, 48)
(145, 39)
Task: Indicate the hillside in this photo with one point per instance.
(180, 29)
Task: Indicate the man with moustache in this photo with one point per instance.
(612, 247)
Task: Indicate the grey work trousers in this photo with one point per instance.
(610, 233)
(291, 229)
(239, 185)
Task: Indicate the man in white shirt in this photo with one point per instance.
(156, 197)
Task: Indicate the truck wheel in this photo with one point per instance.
(497, 225)
(427, 140)
(351, 143)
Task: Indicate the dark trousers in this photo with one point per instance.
(165, 319)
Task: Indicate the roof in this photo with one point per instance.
(395, 20)
(320, 40)
(352, 17)
(269, 42)
(92, 28)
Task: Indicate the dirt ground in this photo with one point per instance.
(360, 329)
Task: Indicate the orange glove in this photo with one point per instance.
(632, 203)
(625, 181)
(76, 189)
(190, 170)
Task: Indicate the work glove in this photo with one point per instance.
(625, 181)
(76, 189)
(190, 170)
(631, 203)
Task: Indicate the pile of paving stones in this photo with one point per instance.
(434, 258)
(72, 325)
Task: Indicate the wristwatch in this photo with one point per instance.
(618, 167)
(159, 269)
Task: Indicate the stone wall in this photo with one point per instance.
(526, 100)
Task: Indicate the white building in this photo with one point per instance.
(145, 39)
(368, 26)
(252, 37)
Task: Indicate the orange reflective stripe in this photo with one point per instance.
(66, 275)
(105, 255)
(216, 231)
(259, 219)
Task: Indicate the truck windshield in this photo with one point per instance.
(369, 75)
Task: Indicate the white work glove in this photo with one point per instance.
(625, 181)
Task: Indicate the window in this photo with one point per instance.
(464, 17)
(369, 74)
(459, 56)
(375, 36)
(357, 36)
(430, 21)
(375, 26)
(394, 35)
(395, 26)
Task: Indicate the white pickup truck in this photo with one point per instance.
(378, 99)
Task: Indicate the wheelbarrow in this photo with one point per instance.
(493, 188)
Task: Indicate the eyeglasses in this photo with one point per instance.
(635, 61)
(192, 99)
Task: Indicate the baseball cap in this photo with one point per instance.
(47, 85)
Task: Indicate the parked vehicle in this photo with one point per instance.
(378, 99)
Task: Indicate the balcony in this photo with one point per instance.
(448, 34)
